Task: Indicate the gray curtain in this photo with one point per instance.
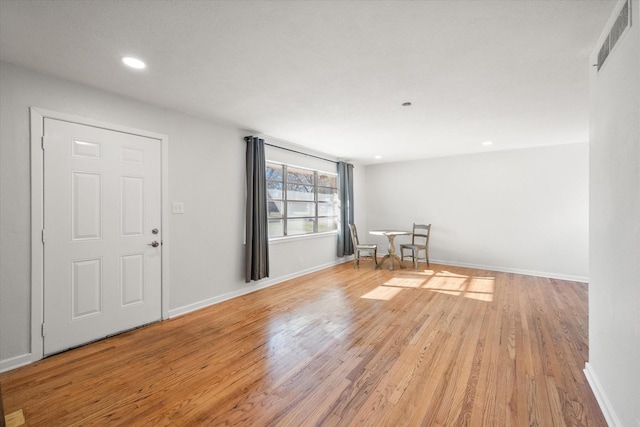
(257, 238)
(345, 193)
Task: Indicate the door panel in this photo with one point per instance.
(132, 218)
(102, 198)
(86, 288)
(132, 280)
(86, 205)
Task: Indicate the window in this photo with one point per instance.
(301, 201)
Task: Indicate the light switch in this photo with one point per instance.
(177, 208)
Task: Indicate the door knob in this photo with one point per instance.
(154, 244)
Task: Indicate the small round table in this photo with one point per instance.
(391, 235)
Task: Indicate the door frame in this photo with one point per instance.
(37, 116)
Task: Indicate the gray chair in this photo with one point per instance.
(362, 249)
(419, 242)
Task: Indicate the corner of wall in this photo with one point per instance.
(601, 397)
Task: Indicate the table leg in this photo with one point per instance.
(391, 256)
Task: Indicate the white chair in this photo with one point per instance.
(362, 249)
(419, 242)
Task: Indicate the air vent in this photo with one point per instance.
(623, 21)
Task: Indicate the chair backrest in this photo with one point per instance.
(354, 235)
(421, 234)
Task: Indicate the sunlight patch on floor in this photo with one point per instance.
(482, 284)
(478, 288)
(471, 295)
(405, 282)
(382, 293)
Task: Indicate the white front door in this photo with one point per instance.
(102, 215)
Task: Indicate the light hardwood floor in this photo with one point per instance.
(444, 346)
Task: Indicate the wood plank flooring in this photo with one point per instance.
(444, 346)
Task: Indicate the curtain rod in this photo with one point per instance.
(297, 152)
(300, 152)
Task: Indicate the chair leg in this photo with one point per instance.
(375, 258)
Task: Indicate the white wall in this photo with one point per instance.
(360, 197)
(521, 210)
(206, 173)
(614, 290)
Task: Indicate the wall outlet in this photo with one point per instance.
(177, 208)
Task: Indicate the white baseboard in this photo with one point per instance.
(601, 397)
(15, 362)
(513, 270)
(262, 284)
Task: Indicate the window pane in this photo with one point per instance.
(309, 199)
(299, 192)
(300, 176)
(274, 171)
(327, 224)
(299, 226)
(276, 228)
(298, 209)
(326, 209)
(327, 180)
(274, 190)
(275, 208)
(327, 194)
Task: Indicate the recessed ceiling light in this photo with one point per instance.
(487, 143)
(406, 104)
(134, 62)
(378, 157)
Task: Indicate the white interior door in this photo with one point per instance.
(102, 215)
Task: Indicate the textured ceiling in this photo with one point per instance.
(332, 75)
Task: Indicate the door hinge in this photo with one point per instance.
(42, 142)
(42, 329)
(43, 235)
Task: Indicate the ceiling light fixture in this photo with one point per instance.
(134, 62)
(487, 143)
(378, 157)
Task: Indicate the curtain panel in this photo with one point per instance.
(345, 194)
(256, 222)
